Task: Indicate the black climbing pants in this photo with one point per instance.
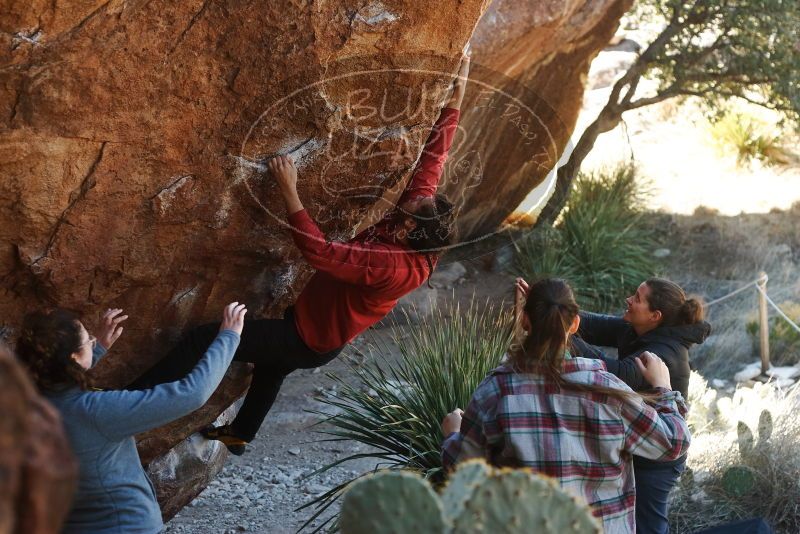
(272, 345)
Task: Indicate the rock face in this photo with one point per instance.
(187, 467)
(134, 135)
(37, 471)
(520, 118)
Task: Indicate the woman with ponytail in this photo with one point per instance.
(567, 417)
(661, 319)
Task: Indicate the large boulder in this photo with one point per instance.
(134, 136)
(37, 470)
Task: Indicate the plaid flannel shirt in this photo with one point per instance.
(584, 440)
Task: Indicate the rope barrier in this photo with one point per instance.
(761, 287)
(777, 309)
(736, 292)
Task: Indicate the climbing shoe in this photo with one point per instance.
(235, 444)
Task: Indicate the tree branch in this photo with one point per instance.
(731, 94)
(649, 101)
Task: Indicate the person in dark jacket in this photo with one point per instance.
(661, 319)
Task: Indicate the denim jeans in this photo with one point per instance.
(653, 483)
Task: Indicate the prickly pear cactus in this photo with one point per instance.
(748, 446)
(517, 502)
(738, 480)
(478, 499)
(461, 485)
(394, 502)
(745, 439)
(764, 428)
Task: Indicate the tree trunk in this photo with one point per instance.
(607, 120)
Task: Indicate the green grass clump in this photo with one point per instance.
(396, 407)
(601, 244)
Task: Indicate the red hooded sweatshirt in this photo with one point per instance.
(359, 281)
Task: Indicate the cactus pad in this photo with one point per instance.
(764, 428)
(392, 502)
(518, 501)
(744, 437)
(461, 485)
(738, 481)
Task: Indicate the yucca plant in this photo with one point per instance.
(396, 407)
(749, 138)
(600, 245)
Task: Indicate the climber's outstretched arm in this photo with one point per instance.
(428, 171)
(355, 263)
(460, 83)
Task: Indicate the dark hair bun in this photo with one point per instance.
(692, 311)
(435, 227)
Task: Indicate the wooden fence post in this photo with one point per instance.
(519, 306)
(763, 320)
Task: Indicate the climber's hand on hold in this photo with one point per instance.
(460, 82)
(285, 173)
(110, 328)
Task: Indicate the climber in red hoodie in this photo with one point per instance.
(356, 284)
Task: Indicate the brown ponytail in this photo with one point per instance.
(551, 309)
(46, 343)
(676, 308)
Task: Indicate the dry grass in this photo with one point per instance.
(713, 255)
(702, 499)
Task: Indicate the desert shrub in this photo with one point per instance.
(784, 341)
(749, 139)
(744, 460)
(396, 407)
(600, 244)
